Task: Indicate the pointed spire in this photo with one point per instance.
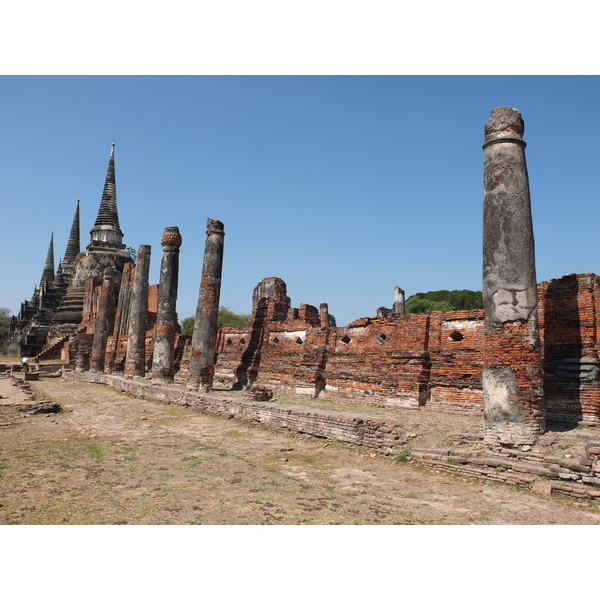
(48, 273)
(108, 215)
(73, 245)
(106, 228)
(59, 280)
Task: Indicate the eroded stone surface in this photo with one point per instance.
(512, 374)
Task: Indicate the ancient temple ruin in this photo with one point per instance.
(530, 357)
(104, 250)
(30, 329)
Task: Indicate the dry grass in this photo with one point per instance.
(110, 458)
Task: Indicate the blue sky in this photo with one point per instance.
(343, 186)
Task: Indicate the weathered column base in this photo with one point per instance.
(203, 382)
(134, 364)
(162, 362)
(82, 361)
(511, 407)
(512, 435)
(199, 387)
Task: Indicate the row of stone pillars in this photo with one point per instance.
(201, 368)
(512, 373)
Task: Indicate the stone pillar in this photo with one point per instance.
(104, 319)
(201, 370)
(398, 301)
(82, 360)
(136, 334)
(324, 314)
(166, 318)
(513, 402)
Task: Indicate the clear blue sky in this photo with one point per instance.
(343, 186)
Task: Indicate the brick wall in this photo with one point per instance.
(432, 360)
(456, 349)
(568, 329)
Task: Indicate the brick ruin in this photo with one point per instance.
(433, 360)
(530, 357)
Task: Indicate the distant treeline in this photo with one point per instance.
(226, 318)
(443, 300)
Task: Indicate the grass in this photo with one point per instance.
(150, 479)
(403, 456)
(95, 450)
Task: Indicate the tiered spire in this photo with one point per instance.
(106, 228)
(73, 245)
(48, 273)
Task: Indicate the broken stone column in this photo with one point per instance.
(82, 360)
(383, 311)
(201, 369)
(398, 301)
(513, 402)
(136, 335)
(104, 319)
(324, 314)
(166, 318)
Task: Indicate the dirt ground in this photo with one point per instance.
(110, 458)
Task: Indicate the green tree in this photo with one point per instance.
(443, 300)
(132, 252)
(4, 321)
(187, 326)
(226, 318)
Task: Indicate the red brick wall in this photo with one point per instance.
(456, 352)
(432, 360)
(383, 360)
(568, 329)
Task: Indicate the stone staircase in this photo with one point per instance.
(54, 350)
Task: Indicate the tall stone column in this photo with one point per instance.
(104, 319)
(166, 318)
(201, 370)
(398, 301)
(136, 334)
(513, 401)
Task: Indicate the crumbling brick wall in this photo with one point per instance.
(433, 360)
(292, 356)
(568, 319)
(456, 350)
(381, 359)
